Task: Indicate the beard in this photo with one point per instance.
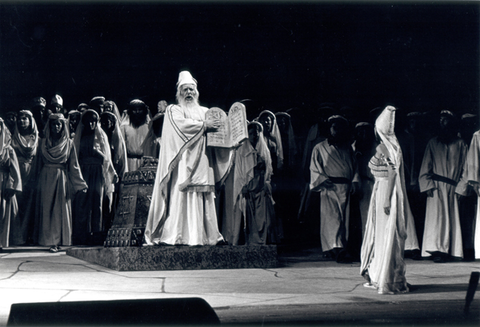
(138, 120)
(190, 103)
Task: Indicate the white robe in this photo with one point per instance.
(442, 218)
(472, 176)
(182, 210)
(330, 161)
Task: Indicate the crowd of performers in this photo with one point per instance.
(339, 178)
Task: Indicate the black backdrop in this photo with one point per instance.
(278, 54)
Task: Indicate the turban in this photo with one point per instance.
(186, 78)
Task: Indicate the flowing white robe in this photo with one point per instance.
(384, 238)
(442, 218)
(182, 210)
(330, 161)
(472, 176)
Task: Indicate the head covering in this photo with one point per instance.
(97, 99)
(39, 101)
(245, 162)
(101, 144)
(385, 128)
(337, 119)
(119, 156)
(275, 135)
(26, 145)
(447, 113)
(60, 152)
(57, 100)
(82, 107)
(115, 110)
(363, 124)
(289, 137)
(135, 103)
(185, 78)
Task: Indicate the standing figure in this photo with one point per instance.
(74, 117)
(182, 210)
(25, 142)
(151, 144)
(11, 121)
(58, 180)
(253, 192)
(333, 173)
(97, 103)
(273, 138)
(382, 263)
(134, 129)
(472, 176)
(38, 109)
(118, 154)
(111, 106)
(94, 157)
(440, 173)
(56, 105)
(10, 184)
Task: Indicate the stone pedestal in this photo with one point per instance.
(179, 257)
(131, 216)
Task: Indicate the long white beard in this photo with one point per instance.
(188, 104)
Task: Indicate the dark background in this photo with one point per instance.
(280, 55)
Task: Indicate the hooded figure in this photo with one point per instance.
(59, 178)
(272, 136)
(10, 184)
(94, 156)
(253, 193)
(382, 263)
(25, 142)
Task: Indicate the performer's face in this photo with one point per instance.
(23, 122)
(56, 127)
(188, 92)
(253, 135)
(91, 124)
(107, 107)
(267, 122)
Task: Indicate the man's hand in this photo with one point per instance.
(213, 124)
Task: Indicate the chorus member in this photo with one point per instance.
(440, 173)
(25, 142)
(333, 173)
(94, 156)
(134, 129)
(58, 180)
(253, 192)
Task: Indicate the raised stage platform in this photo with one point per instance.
(178, 257)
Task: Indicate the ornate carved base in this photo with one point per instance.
(179, 257)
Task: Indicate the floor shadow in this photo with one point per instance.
(438, 288)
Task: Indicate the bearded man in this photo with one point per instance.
(182, 211)
(333, 173)
(440, 173)
(134, 129)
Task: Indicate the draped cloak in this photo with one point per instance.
(10, 179)
(182, 210)
(384, 239)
